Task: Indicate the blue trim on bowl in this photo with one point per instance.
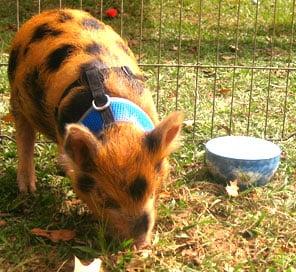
(247, 172)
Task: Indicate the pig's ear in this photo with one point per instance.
(164, 139)
(81, 146)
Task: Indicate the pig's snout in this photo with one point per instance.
(141, 230)
(141, 225)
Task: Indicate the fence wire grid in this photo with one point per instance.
(229, 64)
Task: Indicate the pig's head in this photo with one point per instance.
(118, 172)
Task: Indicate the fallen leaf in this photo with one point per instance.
(175, 48)
(226, 128)
(208, 72)
(182, 235)
(283, 155)
(8, 118)
(233, 48)
(191, 255)
(280, 73)
(145, 253)
(133, 42)
(2, 223)
(193, 49)
(143, 55)
(183, 215)
(4, 214)
(228, 268)
(255, 2)
(12, 27)
(156, 239)
(135, 265)
(232, 189)
(73, 202)
(224, 91)
(272, 211)
(188, 123)
(165, 195)
(276, 52)
(224, 57)
(94, 266)
(55, 235)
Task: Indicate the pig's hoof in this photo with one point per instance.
(26, 185)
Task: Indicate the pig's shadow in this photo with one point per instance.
(51, 207)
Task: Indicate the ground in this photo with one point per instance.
(199, 227)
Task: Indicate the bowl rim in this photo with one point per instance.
(245, 160)
(277, 150)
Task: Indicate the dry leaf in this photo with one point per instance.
(165, 195)
(193, 49)
(145, 253)
(73, 202)
(55, 235)
(175, 48)
(188, 123)
(135, 265)
(4, 214)
(224, 91)
(143, 55)
(224, 57)
(280, 73)
(208, 72)
(233, 48)
(232, 189)
(226, 128)
(132, 42)
(12, 27)
(283, 155)
(94, 266)
(8, 118)
(191, 255)
(182, 235)
(156, 239)
(2, 223)
(228, 268)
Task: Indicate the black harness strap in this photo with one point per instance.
(92, 78)
(77, 83)
(95, 83)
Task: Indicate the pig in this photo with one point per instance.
(66, 67)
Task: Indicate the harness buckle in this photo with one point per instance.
(100, 108)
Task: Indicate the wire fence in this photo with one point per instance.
(229, 65)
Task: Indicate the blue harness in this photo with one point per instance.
(122, 110)
(106, 110)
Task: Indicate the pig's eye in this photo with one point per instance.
(111, 204)
(158, 166)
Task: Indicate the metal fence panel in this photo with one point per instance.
(232, 61)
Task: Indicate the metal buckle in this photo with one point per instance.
(107, 104)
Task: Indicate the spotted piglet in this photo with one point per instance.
(77, 82)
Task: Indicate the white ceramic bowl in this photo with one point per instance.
(251, 161)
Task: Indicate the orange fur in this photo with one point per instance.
(117, 173)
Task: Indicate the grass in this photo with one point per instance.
(199, 227)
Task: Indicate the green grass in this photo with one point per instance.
(199, 228)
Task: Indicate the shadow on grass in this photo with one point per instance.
(52, 207)
(198, 176)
